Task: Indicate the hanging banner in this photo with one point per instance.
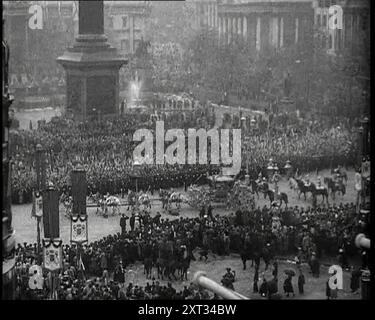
(79, 191)
(51, 220)
(52, 254)
(78, 230)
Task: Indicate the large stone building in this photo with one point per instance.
(125, 23)
(355, 29)
(206, 13)
(34, 47)
(264, 24)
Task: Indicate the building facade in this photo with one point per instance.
(262, 24)
(125, 23)
(8, 233)
(205, 13)
(350, 32)
(266, 25)
(34, 47)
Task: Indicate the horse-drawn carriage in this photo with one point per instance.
(139, 201)
(241, 197)
(217, 191)
(172, 200)
(220, 187)
(198, 196)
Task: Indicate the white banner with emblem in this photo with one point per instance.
(78, 230)
(52, 254)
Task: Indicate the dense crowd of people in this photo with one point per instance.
(104, 270)
(105, 149)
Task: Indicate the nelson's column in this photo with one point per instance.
(92, 66)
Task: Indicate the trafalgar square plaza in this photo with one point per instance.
(187, 150)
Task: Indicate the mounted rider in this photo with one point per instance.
(228, 279)
(307, 181)
(337, 176)
(319, 183)
(276, 177)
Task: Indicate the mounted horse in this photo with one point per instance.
(110, 201)
(341, 174)
(164, 197)
(320, 191)
(177, 198)
(277, 196)
(335, 187)
(259, 186)
(293, 184)
(132, 200)
(145, 201)
(304, 188)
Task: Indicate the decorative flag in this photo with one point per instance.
(51, 223)
(79, 191)
(78, 230)
(52, 254)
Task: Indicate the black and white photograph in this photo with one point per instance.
(186, 150)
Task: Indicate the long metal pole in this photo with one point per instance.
(40, 186)
(201, 279)
(38, 236)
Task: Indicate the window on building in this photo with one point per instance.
(124, 22)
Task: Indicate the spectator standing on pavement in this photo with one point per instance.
(288, 286)
(354, 280)
(263, 290)
(301, 282)
(123, 223)
(132, 221)
(256, 279)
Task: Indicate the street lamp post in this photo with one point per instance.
(41, 184)
(288, 169)
(79, 193)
